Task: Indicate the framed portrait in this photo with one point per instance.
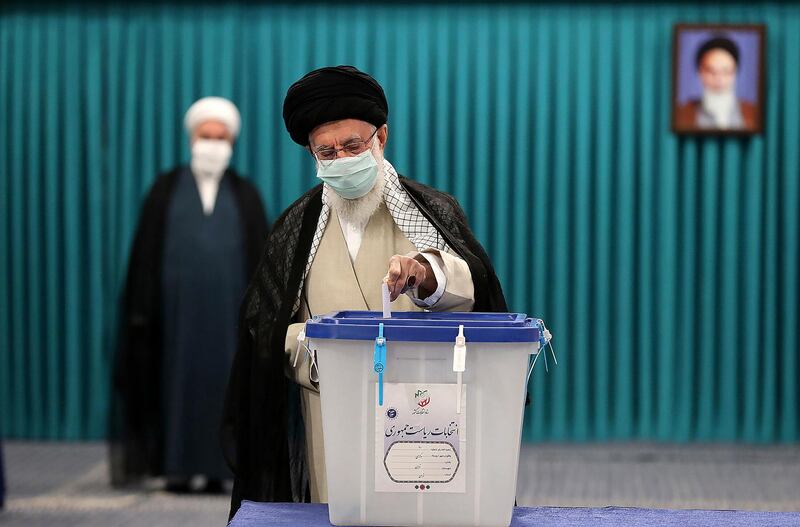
(718, 79)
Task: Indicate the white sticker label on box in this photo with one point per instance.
(420, 439)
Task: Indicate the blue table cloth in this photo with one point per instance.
(253, 514)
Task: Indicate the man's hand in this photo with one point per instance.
(406, 272)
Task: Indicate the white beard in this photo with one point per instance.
(720, 106)
(358, 211)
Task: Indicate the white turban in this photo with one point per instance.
(213, 109)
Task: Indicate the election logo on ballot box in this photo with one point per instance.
(421, 439)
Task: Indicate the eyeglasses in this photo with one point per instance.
(327, 155)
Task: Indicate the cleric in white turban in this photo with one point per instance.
(198, 241)
(363, 224)
(213, 109)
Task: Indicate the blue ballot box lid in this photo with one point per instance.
(424, 327)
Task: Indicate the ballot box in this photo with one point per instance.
(422, 414)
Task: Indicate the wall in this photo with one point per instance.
(666, 267)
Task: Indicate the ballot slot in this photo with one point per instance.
(426, 318)
(452, 465)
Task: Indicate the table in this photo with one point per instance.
(252, 514)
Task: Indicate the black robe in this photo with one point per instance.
(136, 421)
(262, 421)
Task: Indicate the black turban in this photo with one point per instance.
(331, 94)
(720, 42)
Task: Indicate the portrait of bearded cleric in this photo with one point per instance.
(717, 79)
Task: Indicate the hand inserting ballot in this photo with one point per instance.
(406, 272)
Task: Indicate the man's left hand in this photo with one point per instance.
(406, 272)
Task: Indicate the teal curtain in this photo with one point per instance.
(666, 267)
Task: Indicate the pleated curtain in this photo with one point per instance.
(666, 267)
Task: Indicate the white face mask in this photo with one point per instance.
(210, 157)
(350, 177)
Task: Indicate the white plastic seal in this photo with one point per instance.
(301, 344)
(459, 363)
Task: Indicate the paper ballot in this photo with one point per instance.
(387, 310)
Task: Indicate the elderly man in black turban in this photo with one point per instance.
(330, 250)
